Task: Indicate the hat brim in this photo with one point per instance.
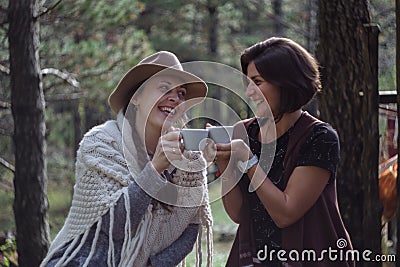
(196, 88)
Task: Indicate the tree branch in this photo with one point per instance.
(288, 25)
(7, 164)
(101, 71)
(45, 10)
(64, 97)
(66, 76)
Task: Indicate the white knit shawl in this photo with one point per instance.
(102, 177)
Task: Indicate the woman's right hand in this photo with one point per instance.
(169, 148)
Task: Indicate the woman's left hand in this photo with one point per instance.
(240, 150)
(228, 154)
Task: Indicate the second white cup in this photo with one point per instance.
(193, 138)
(221, 134)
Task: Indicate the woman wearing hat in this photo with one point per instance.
(131, 206)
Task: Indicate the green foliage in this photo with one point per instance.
(94, 40)
(6, 210)
(8, 252)
(382, 13)
(98, 41)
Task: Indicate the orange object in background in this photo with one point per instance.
(387, 189)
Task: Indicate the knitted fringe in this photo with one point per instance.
(131, 247)
(209, 245)
(111, 253)
(64, 260)
(93, 248)
(199, 254)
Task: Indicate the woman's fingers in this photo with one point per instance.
(223, 155)
(172, 136)
(224, 147)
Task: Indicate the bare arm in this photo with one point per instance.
(232, 201)
(305, 185)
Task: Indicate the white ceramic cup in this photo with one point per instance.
(194, 139)
(220, 134)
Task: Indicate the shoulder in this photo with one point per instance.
(323, 131)
(323, 141)
(321, 148)
(106, 133)
(107, 129)
(321, 137)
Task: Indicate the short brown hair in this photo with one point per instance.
(287, 65)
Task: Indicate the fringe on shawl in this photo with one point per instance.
(198, 248)
(130, 247)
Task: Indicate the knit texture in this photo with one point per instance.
(191, 208)
(102, 177)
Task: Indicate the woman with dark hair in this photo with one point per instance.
(285, 203)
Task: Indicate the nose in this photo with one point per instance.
(250, 90)
(174, 96)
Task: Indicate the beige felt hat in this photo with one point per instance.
(161, 61)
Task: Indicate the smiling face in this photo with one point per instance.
(160, 101)
(260, 91)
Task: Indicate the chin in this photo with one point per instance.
(262, 113)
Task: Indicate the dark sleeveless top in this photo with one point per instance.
(310, 142)
(320, 149)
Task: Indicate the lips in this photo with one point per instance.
(167, 110)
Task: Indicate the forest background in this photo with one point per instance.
(86, 46)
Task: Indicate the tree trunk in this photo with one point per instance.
(398, 116)
(349, 103)
(311, 25)
(213, 28)
(27, 103)
(278, 13)
(195, 24)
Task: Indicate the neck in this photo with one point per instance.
(149, 136)
(286, 122)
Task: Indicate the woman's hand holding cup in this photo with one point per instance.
(169, 148)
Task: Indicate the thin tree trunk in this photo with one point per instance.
(195, 24)
(349, 103)
(398, 116)
(311, 25)
(277, 9)
(27, 103)
(213, 28)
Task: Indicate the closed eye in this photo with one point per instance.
(164, 88)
